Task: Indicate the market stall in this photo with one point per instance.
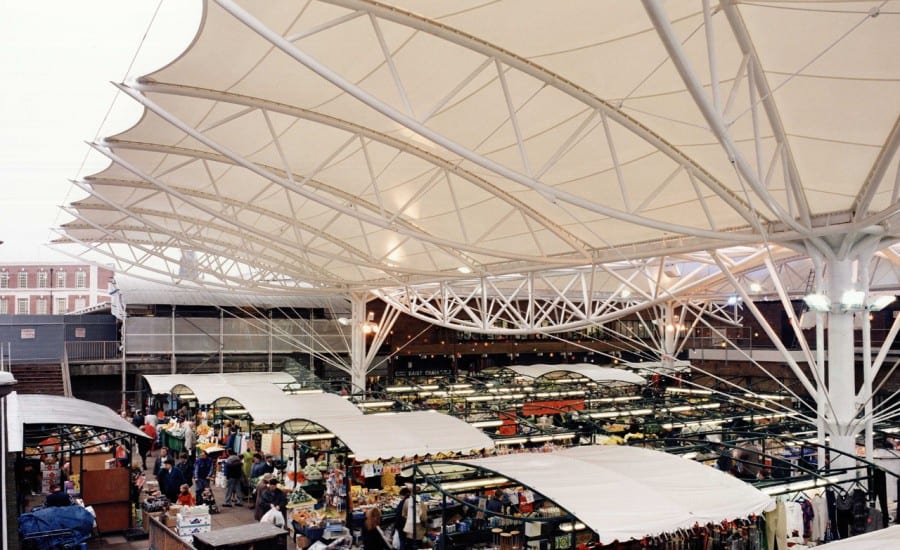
(70, 442)
(606, 493)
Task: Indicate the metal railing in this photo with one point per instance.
(101, 350)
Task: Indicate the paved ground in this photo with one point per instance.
(229, 517)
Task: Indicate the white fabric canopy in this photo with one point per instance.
(654, 367)
(25, 409)
(422, 141)
(876, 540)
(406, 434)
(209, 387)
(259, 393)
(622, 493)
(594, 372)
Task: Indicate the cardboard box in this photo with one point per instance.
(191, 511)
(193, 530)
(187, 521)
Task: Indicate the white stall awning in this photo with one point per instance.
(259, 393)
(406, 434)
(657, 367)
(209, 387)
(624, 493)
(594, 372)
(276, 407)
(25, 409)
(876, 540)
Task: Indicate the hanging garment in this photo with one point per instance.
(776, 527)
(819, 519)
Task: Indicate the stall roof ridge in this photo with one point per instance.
(25, 409)
(625, 493)
(597, 373)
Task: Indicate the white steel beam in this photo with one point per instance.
(555, 194)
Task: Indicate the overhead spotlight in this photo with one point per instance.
(853, 299)
(755, 287)
(818, 302)
(343, 321)
(732, 300)
(625, 293)
(672, 271)
(464, 269)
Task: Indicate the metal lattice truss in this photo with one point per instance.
(510, 166)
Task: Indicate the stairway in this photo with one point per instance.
(304, 376)
(47, 379)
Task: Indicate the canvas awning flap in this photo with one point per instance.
(208, 387)
(594, 372)
(276, 407)
(406, 434)
(658, 367)
(624, 493)
(25, 409)
(259, 393)
(876, 540)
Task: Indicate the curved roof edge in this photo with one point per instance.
(54, 409)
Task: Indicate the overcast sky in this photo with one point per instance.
(57, 59)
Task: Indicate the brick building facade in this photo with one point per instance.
(51, 288)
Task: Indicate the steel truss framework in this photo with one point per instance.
(488, 184)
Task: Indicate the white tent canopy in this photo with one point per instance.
(623, 493)
(204, 385)
(594, 372)
(25, 409)
(406, 434)
(876, 540)
(658, 367)
(406, 142)
(259, 393)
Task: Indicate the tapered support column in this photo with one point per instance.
(841, 361)
(671, 326)
(357, 344)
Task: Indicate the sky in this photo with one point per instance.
(57, 61)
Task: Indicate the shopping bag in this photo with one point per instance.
(274, 517)
(396, 542)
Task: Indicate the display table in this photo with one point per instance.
(175, 444)
(259, 536)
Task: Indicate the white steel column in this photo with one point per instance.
(269, 343)
(841, 362)
(172, 364)
(671, 325)
(221, 340)
(357, 343)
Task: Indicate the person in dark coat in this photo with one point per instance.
(273, 497)
(372, 536)
(234, 473)
(57, 497)
(174, 479)
(158, 463)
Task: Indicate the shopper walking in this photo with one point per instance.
(372, 536)
(234, 473)
(203, 474)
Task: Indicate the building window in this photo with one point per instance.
(41, 306)
(4, 307)
(42, 279)
(79, 304)
(22, 306)
(4, 279)
(60, 306)
(80, 279)
(23, 279)
(60, 279)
